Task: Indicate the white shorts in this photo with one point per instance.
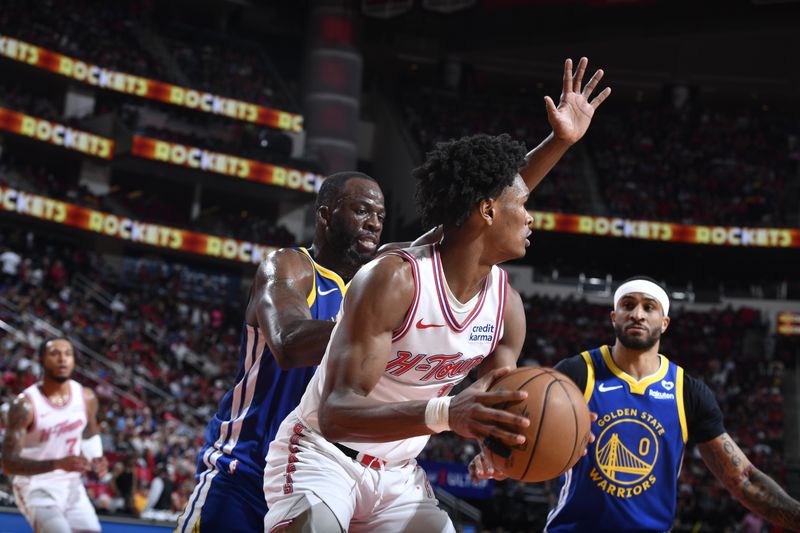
(65, 496)
(304, 469)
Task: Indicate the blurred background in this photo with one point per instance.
(152, 153)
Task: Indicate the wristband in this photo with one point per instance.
(92, 448)
(437, 414)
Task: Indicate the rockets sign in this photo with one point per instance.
(146, 88)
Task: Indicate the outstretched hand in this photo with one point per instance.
(574, 113)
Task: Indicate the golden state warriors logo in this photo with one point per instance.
(626, 452)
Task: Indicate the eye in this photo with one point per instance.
(382, 217)
(361, 211)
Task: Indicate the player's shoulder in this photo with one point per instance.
(22, 400)
(285, 262)
(88, 393)
(391, 268)
(573, 367)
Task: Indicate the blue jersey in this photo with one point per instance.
(238, 437)
(628, 479)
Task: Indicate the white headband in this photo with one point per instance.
(647, 287)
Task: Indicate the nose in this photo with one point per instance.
(637, 313)
(374, 223)
(528, 219)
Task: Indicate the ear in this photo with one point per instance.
(486, 209)
(613, 315)
(664, 324)
(324, 215)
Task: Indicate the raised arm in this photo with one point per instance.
(360, 349)
(569, 121)
(754, 489)
(278, 304)
(20, 417)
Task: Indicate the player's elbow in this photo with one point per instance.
(284, 352)
(329, 425)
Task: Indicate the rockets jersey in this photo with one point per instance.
(238, 437)
(631, 469)
(56, 432)
(431, 352)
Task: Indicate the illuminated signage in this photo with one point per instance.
(55, 133)
(127, 229)
(229, 165)
(788, 323)
(666, 231)
(146, 88)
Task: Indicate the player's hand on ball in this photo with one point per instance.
(473, 413)
(481, 467)
(73, 463)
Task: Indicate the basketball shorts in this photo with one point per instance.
(224, 502)
(304, 469)
(38, 498)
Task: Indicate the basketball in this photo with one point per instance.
(559, 429)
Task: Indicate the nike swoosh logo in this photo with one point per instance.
(603, 388)
(323, 293)
(420, 325)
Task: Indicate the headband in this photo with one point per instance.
(645, 286)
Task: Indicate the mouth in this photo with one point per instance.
(367, 243)
(528, 239)
(637, 328)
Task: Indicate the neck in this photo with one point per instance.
(464, 267)
(636, 363)
(337, 262)
(51, 387)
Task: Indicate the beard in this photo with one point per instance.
(57, 379)
(347, 243)
(637, 343)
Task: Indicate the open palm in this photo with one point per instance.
(574, 113)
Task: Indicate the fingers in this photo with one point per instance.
(598, 75)
(567, 83)
(600, 98)
(501, 396)
(482, 431)
(550, 105)
(486, 381)
(578, 79)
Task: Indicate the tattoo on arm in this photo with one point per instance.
(20, 416)
(754, 489)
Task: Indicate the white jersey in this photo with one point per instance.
(433, 350)
(55, 432)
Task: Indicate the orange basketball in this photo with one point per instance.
(559, 429)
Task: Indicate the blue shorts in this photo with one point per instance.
(221, 502)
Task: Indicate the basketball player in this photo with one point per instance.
(295, 295)
(289, 321)
(51, 439)
(648, 409)
(414, 323)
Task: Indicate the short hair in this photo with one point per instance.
(43, 345)
(458, 174)
(333, 186)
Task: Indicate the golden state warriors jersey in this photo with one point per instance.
(238, 436)
(628, 479)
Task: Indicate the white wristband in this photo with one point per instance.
(92, 448)
(437, 414)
